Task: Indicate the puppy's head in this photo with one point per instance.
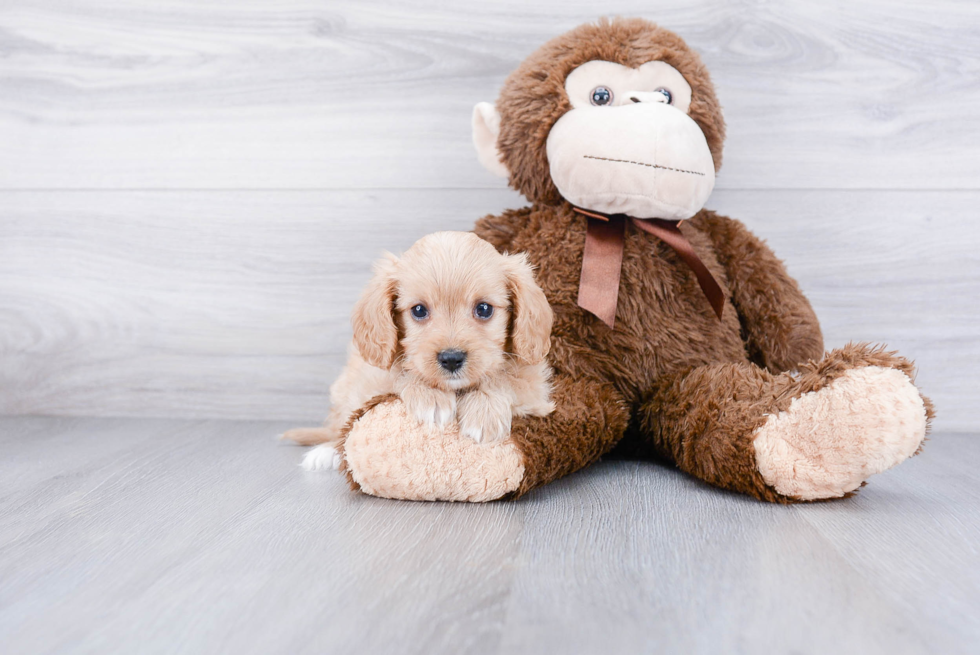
(452, 310)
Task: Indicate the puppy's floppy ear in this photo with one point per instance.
(373, 319)
(532, 316)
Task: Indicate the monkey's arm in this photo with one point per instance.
(779, 325)
(387, 453)
(501, 230)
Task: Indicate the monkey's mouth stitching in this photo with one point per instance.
(639, 163)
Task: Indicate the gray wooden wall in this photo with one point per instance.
(192, 191)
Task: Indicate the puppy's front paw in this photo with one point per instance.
(484, 416)
(321, 458)
(430, 406)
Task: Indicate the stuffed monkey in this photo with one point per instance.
(678, 334)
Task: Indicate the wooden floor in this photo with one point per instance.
(149, 535)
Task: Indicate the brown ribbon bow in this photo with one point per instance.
(602, 261)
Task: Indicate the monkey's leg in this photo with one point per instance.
(387, 453)
(815, 434)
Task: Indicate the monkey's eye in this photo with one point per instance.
(667, 94)
(420, 312)
(601, 96)
(483, 310)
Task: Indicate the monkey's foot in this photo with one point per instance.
(387, 452)
(828, 442)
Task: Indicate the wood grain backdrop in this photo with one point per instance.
(192, 191)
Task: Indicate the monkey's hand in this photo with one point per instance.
(386, 452)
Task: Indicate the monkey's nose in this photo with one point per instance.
(451, 360)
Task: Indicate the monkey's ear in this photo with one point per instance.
(486, 128)
(373, 319)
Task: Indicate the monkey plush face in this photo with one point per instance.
(627, 145)
(617, 117)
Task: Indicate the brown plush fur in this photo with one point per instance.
(671, 378)
(664, 328)
(692, 386)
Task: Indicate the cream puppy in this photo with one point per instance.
(459, 331)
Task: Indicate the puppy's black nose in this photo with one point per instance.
(451, 360)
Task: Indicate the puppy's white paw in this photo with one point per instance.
(485, 416)
(430, 406)
(444, 411)
(474, 432)
(489, 432)
(321, 458)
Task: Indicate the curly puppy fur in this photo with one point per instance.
(504, 373)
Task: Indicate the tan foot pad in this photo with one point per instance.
(830, 441)
(391, 455)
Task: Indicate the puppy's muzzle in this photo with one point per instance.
(451, 360)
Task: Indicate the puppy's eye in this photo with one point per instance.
(600, 96)
(667, 94)
(420, 312)
(483, 310)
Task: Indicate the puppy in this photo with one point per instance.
(457, 330)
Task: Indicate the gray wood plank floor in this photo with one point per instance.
(157, 536)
